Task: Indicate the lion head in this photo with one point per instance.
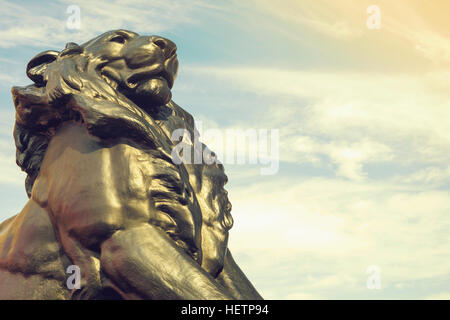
(110, 83)
(143, 68)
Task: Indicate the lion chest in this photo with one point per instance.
(93, 188)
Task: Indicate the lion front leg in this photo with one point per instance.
(143, 262)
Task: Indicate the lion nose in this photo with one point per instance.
(168, 47)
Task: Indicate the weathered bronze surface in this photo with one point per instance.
(93, 133)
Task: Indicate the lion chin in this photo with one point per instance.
(151, 93)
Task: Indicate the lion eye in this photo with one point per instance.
(118, 39)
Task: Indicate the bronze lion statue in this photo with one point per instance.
(93, 133)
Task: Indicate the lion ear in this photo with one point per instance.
(38, 64)
(71, 48)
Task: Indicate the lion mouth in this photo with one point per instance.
(166, 76)
(166, 71)
(137, 77)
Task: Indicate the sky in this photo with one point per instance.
(360, 97)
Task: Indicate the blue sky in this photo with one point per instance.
(363, 118)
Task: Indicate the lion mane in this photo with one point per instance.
(68, 86)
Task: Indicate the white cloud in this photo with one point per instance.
(429, 176)
(317, 236)
(334, 229)
(10, 173)
(351, 118)
(8, 80)
(348, 157)
(425, 38)
(404, 24)
(439, 296)
(34, 24)
(314, 15)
